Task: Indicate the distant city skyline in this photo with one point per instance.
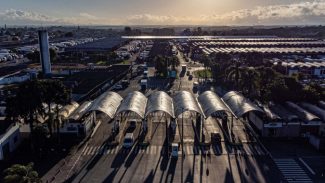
(162, 12)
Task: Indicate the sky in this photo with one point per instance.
(162, 12)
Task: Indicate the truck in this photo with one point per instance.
(143, 84)
(183, 68)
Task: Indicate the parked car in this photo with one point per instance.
(174, 153)
(128, 140)
(118, 87)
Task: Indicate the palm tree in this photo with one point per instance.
(234, 73)
(54, 93)
(28, 102)
(266, 76)
(21, 174)
(249, 80)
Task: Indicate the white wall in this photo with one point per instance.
(11, 137)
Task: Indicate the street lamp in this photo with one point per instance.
(182, 142)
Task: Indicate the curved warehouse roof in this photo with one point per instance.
(238, 104)
(135, 102)
(107, 103)
(314, 109)
(81, 110)
(302, 113)
(185, 101)
(211, 103)
(160, 101)
(68, 109)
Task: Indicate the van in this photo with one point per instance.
(128, 140)
(174, 153)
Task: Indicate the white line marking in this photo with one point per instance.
(308, 167)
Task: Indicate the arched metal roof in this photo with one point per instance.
(238, 104)
(81, 110)
(211, 103)
(107, 103)
(68, 109)
(135, 102)
(160, 101)
(302, 113)
(185, 101)
(314, 109)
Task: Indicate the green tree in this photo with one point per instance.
(249, 81)
(53, 54)
(234, 74)
(54, 93)
(21, 174)
(174, 62)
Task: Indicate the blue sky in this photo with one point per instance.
(163, 12)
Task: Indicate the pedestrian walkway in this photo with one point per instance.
(158, 150)
(292, 171)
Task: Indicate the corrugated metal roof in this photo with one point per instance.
(211, 103)
(284, 113)
(302, 113)
(271, 114)
(135, 102)
(238, 104)
(185, 101)
(81, 110)
(314, 109)
(107, 103)
(68, 109)
(160, 101)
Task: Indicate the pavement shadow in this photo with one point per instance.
(150, 177)
(228, 177)
(171, 170)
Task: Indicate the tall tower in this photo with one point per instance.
(44, 52)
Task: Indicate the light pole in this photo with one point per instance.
(182, 142)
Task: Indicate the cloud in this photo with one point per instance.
(312, 12)
(296, 13)
(19, 16)
(88, 16)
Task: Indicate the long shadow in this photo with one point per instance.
(150, 177)
(229, 178)
(171, 170)
(110, 178)
(189, 177)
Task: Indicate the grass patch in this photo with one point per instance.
(101, 63)
(203, 73)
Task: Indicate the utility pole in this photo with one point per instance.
(182, 145)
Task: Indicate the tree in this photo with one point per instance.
(249, 80)
(127, 31)
(174, 62)
(53, 54)
(54, 93)
(234, 73)
(27, 102)
(21, 174)
(68, 34)
(161, 65)
(34, 56)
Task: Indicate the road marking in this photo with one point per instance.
(308, 167)
(291, 171)
(85, 150)
(152, 149)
